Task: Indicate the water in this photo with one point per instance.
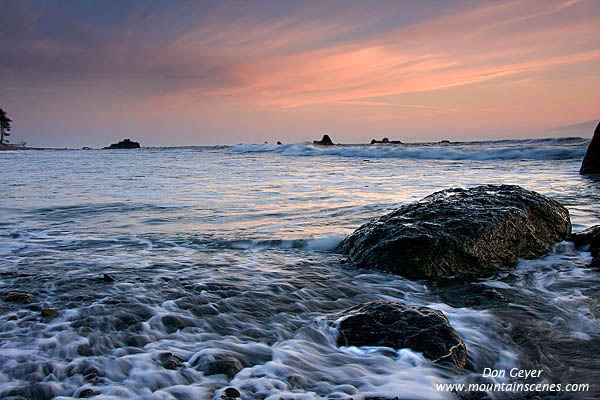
(228, 250)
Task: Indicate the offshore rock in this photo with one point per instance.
(459, 231)
(591, 237)
(591, 161)
(397, 325)
(325, 141)
(124, 144)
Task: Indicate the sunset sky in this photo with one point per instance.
(87, 73)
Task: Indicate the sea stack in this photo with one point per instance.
(591, 161)
(124, 144)
(326, 141)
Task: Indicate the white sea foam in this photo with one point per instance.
(503, 150)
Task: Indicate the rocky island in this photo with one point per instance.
(124, 144)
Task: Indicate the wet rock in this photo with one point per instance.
(397, 325)
(385, 141)
(18, 297)
(594, 249)
(232, 393)
(297, 382)
(49, 312)
(88, 393)
(108, 278)
(124, 144)
(325, 141)
(279, 143)
(591, 161)
(479, 230)
(173, 323)
(591, 237)
(34, 307)
(474, 295)
(584, 237)
(225, 363)
(84, 350)
(169, 361)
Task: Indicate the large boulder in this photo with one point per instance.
(325, 141)
(460, 231)
(124, 144)
(397, 325)
(591, 161)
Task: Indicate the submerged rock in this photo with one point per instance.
(18, 297)
(49, 312)
(124, 144)
(397, 325)
(108, 278)
(591, 161)
(457, 231)
(325, 141)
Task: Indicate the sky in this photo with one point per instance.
(168, 73)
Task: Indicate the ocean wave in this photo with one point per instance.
(538, 149)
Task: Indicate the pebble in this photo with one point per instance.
(88, 393)
(49, 312)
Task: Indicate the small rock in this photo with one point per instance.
(13, 318)
(108, 278)
(22, 297)
(88, 393)
(325, 141)
(49, 312)
(232, 392)
(278, 142)
(173, 323)
(34, 307)
(297, 382)
(399, 326)
(585, 236)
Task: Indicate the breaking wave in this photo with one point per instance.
(541, 149)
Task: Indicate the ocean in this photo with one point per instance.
(228, 251)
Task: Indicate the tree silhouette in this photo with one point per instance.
(4, 126)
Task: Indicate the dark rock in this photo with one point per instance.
(86, 148)
(584, 237)
(325, 141)
(589, 236)
(479, 230)
(225, 363)
(88, 393)
(18, 297)
(385, 141)
(124, 144)
(232, 393)
(297, 382)
(472, 295)
(35, 307)
(591, 161)
(84, 350)
(108, 278)
(594, 249)
(444, 141)
(278, 142)
(49, 312)
(173, 323)
(397, 325)
(169, 361)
